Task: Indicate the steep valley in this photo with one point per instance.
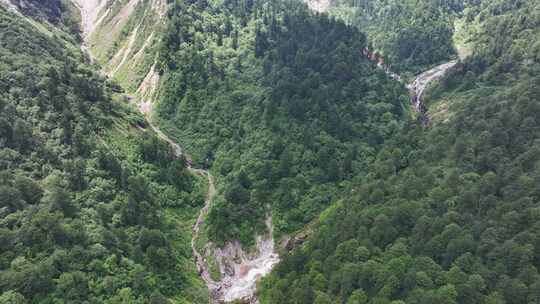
(239, 270)
(272, 152)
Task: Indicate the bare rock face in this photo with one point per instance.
(8, 5)
(122, 36)
(320, 6)
(240, 269)
(90, 12)
(421, 83)
(294, 242)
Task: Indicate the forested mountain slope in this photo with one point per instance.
(448, 214)
(279, 102)
(308, 140)
(93, 207)
(58, 12)
(410, 35)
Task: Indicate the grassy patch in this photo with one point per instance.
(462, 40)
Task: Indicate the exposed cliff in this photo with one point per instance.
(122, 37)
(319, 5)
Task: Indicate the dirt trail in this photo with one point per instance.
(240, 271)
(202, 267)
(90, 13)
(200, 262)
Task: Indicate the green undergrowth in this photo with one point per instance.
(449, 213)
(93, 206)
(123, 139)
(277, 101)
(411, 36)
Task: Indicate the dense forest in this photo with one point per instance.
(410, 35)
(61, 13)
(449, 214)
(92, 209)
(279, 102)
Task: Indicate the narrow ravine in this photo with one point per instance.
(239, 269)
(90, 10)
(202, 268)
(242, 270)
(420, 84)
